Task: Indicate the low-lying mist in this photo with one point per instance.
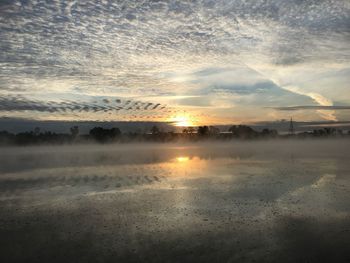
(31, 157)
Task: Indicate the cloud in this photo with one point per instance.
(23, 104)
(315, 96)
(141, 49)
(323, 101)
(294, 108)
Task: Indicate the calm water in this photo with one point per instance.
(235, 202)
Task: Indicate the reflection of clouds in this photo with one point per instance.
(237, 202)
(262, 190)
(77, 180)
(324, 180)
(327, 190)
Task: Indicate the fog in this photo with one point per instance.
(32, 157)
(266, 201)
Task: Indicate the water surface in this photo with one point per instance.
(274, 201)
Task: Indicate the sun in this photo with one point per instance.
(182, 159)
(182, 121)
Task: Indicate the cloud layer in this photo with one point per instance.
(116, 107)
(292, 108)
(167, 52)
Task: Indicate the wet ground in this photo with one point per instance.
(274, 201)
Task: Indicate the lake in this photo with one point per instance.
(254, 201)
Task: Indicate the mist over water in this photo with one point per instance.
(265, 201)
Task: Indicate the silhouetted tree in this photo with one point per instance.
(203, 130)
(6, 138)
(325, 132)
(103, 135)
(191, 130)
(340, 132)
(108, 135)
(155, 130)
(74, 131)
(37, 131)
(115, 132)
(242, 131)
(330, 131)
(269, 133)
(214, 130)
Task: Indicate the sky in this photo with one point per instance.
(184, 62)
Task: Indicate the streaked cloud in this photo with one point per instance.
(332, 108)
(131, 109)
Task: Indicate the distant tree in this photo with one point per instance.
(5, 133)
(330, 131)
(325, 132)
(214, 130)
(203, 130)
(114, 132)
(191, 130)
(74, 131)
(103, 135)
(242, 131)
(233, 129)
(340, 132)
(269, 133)
(155, 130)
(37, 131)
(273, 133)
(6, 138)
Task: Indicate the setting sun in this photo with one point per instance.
(182, 159)
(182, 121)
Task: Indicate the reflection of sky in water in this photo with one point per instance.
(237, 200)
(206, 179)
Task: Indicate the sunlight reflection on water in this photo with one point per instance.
(190, 194)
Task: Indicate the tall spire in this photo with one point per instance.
(291, 127)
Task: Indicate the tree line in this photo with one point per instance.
(155, 134)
